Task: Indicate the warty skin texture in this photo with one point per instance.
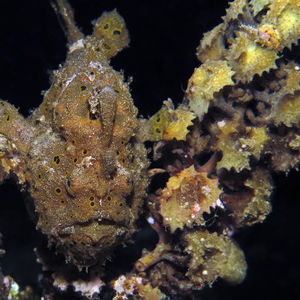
(200, 245)
(77, 154)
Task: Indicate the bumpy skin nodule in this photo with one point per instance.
(77, 153)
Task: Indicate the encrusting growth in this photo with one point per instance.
(243, 103)
(82, 159)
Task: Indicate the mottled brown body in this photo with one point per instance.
(81, 162)
(81, 157)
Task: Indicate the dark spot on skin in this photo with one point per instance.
(105, 26)
(56, 159)
(83, 87)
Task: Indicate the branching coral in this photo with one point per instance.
(240, 123)
(81, 156)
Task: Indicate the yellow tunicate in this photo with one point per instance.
(111, 29)
(211, 77)
(288, 110)
(285, 14)
(178, 128)
(288, 23)
(186, 197)
(258, 5)
(159, 122)
(249, 58)
(216, 255)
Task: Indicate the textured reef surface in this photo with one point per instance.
(82, 161)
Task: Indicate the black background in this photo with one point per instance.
(164, 36)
